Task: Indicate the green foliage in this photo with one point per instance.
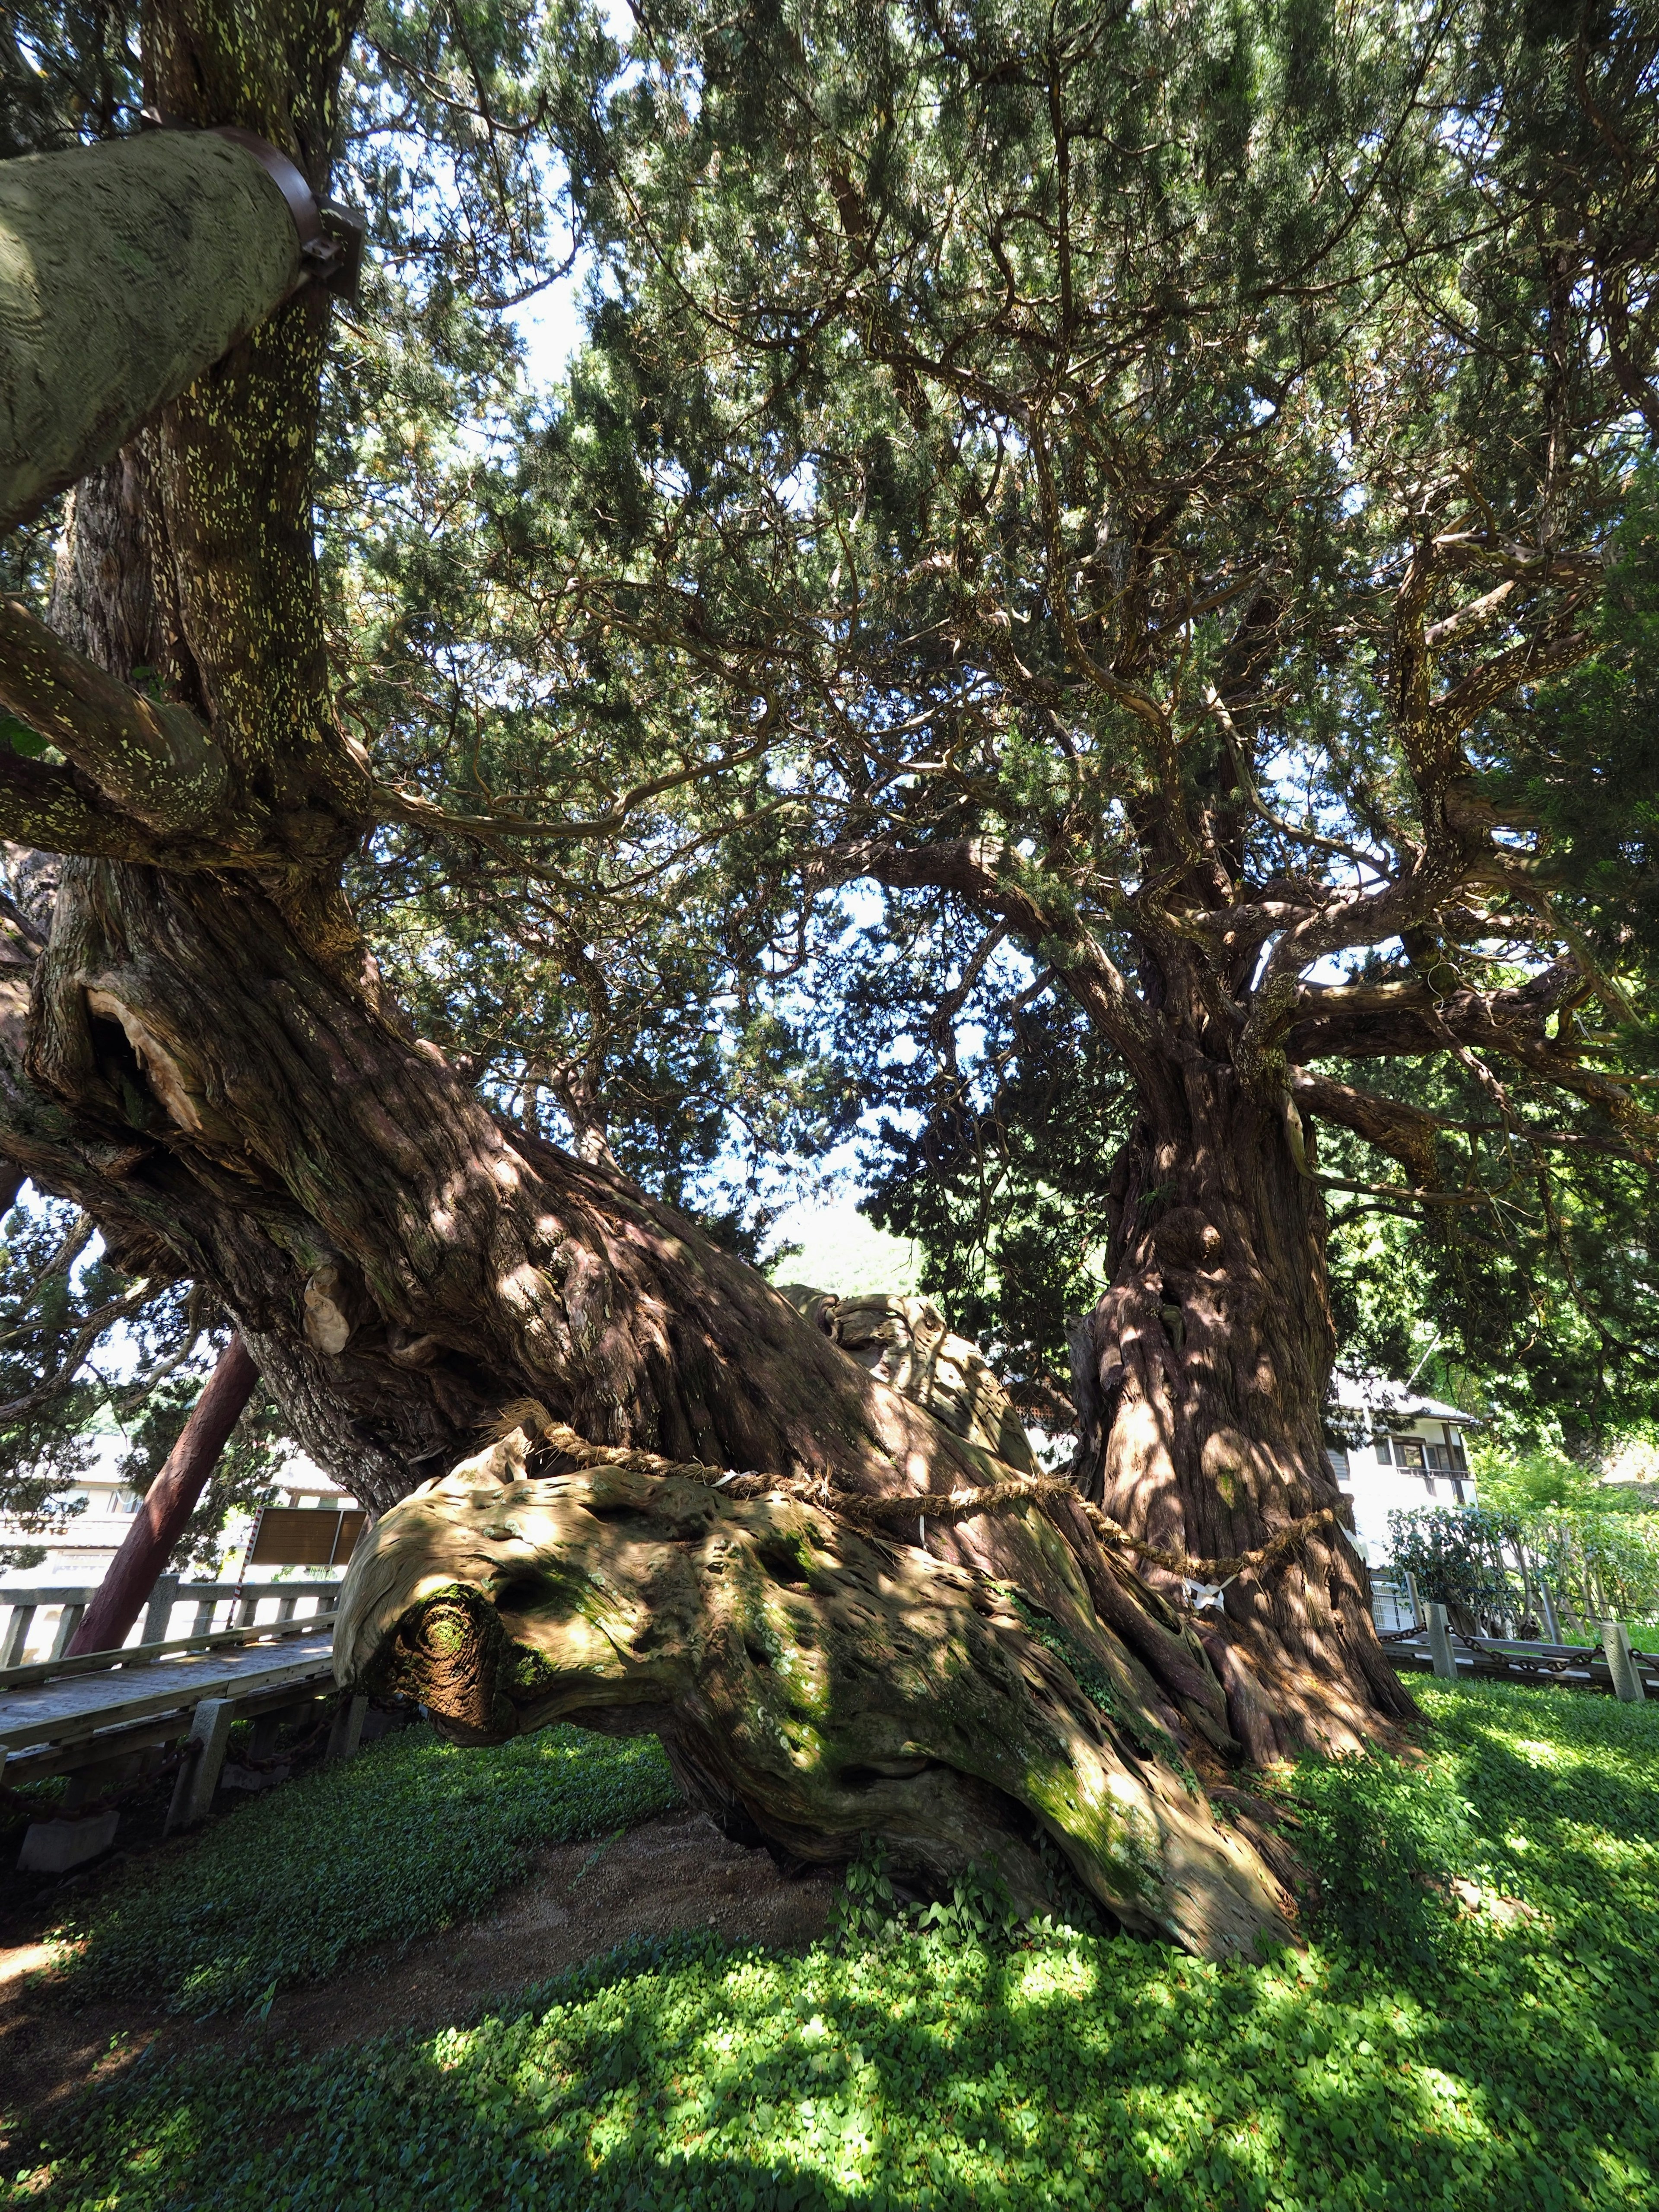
(71, 1324)
(1605, 1565)
(994, 1125)
(1381, 1837)
(1536, 1477)
(1505, 2068)
(411, 1835)
(978, 1911)
(1600, 1565)
(1456, 1557)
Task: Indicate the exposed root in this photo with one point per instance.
(809, 1678)
(952, 1507)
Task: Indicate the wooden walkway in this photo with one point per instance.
(60, 1715)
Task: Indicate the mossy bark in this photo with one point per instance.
(203, 1056)
(814, 1686)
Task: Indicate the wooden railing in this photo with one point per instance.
(22, 1601)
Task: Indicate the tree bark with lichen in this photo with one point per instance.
(814, 1683)
(201, 1053)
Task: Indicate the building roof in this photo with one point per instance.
(1396, 1402)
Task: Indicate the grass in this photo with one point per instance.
(409, 1836)
(1417, 2055)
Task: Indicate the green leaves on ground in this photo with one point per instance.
(1507, 2064)
(409, 1836)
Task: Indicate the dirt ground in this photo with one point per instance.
(672, 1873)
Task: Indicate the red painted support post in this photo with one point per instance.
(160, 1521)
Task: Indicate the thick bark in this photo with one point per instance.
(160, 1521)
(812, 1685)
(407, 1269)
(1202, 1376)
(203, 1057)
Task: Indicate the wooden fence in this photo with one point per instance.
(240, 1602)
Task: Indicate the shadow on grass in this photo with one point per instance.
(1498, 2065)
(1079, 2071)
(411, 1835)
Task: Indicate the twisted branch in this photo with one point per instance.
(1011, 1496)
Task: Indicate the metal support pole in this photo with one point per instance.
(1440, 1643)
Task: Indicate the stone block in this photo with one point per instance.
(55, 1846)
(1440, 1644)
(1627, 1684)
(198, 1778)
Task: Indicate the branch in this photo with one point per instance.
(1404, 1133)
(19, 1409)
(1407, 1134)
(46, 808)
(151, 759)
(1357, 853)
(972, 868)
(392, 804)
(1390, 1020)
(1460, 706)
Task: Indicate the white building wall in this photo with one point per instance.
(1378, 1490)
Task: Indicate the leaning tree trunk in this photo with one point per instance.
(1202, 1376)
(408, 1268)
(202, 1054)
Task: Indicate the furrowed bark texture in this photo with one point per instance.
(1201, 1378)
(202, 1056)
(814, 1686)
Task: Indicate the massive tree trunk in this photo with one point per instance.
(203, 1056)
(1203, 1375)
(813, 1684)
(408, 1268)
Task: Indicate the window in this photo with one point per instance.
(1411, 1453)
(1385, 1456)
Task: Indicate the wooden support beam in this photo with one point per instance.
(160, 1521)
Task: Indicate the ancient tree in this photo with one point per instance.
(698, 1514)
(1186, 484)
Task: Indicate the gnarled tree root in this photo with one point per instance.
(812, 1685)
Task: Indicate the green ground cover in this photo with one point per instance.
(411, 1835)
(1417, 2055)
